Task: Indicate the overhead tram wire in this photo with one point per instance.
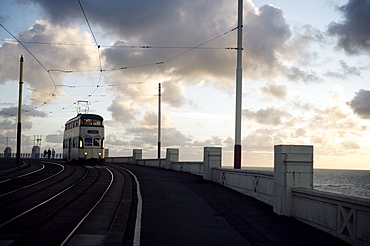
(124, 46)
(151, 64)
(135, 66)
(38, 61)
(186, 51)
(97, 44)
(155, 63)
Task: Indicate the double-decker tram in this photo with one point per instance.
(84, 138)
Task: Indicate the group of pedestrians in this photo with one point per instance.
(49, 153)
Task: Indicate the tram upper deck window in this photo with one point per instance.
(91, 122)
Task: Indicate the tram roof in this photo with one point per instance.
(86, 116)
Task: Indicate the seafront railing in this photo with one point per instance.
(30, 155)
(288, 189)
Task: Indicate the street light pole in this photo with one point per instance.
(239, 80)
(159, 123)
(19, 125)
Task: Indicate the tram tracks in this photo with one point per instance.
(56, 219)
(32, 184)
(23, 175)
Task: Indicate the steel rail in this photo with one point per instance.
(23, 175)
(46, 201)
(91, 210)
(139, 209)
(40, 181)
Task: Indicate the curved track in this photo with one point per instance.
(63, 204)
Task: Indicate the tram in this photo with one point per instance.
(84, 138)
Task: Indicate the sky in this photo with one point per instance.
(306, 74)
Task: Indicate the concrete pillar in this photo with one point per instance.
(136, 155)
(7, 152)
(35, 152)
(293, 167)
(172, 155)
(211, 159)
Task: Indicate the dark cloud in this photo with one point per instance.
(7, 124)
(266, 32)
(138, 20)
(4, 19)
(360, 104)
(345, 71)
(354, 31)
(168, 23)
(27, 111)
(296, 74)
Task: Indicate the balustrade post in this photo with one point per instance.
(211, 159)
(293, 167)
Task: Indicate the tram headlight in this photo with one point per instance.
(85, 153)
(99, 154)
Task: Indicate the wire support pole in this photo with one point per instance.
(159, 123)
(19, 125)
(239, 80)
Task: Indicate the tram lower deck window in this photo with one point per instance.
(88, 141)
(96, 141)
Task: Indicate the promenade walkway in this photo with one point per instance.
(183, 209)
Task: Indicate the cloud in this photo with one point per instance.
(29, 111)
(360, 104)
(297, 74)
(345, 71)
(275, 90)
(49, 57)
(168, 24)
(149, 123)
(354, 31)
(54, 138)
(123, 110)
(268, 116)
(266, 32)
(173, 93)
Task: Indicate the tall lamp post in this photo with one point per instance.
(159, 123)
(239, 80)
(19, 125)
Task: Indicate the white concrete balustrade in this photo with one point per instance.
(288, 189)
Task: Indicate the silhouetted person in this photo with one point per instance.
(45, 152)
(49, 153)
(53, 153)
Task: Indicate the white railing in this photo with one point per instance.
(342, 216)
(257, 184)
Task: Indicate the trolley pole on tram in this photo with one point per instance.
(19, 125)
(239, 92)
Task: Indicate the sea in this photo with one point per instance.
(346, 182)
